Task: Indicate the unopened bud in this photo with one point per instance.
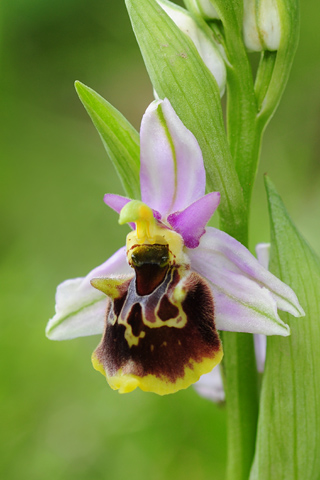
(261, 25)
(207, 48)
(204, 8)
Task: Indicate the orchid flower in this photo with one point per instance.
(160, 300)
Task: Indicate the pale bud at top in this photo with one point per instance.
(261, 25)
(207, 49)
(204, 8)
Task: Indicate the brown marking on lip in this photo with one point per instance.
(196, 341)
(135, 320)
(167, 310)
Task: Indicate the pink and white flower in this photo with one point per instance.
(244, 296)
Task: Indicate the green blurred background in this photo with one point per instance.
(59, 418)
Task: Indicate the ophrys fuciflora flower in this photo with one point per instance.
(160, 300)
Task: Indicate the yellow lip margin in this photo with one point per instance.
(126, 383)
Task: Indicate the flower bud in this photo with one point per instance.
(204, 8)
(261, 25)
(204, 43)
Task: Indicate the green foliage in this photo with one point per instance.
(59, 418)
(119, 138)
(288, 444)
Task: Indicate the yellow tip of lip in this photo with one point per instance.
(126, 383)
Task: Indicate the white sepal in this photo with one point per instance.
(80, 308)
(246, 295)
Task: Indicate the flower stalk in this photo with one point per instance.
(240, 376)
(250, 106)
(241, 388)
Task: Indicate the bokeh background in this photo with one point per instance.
(59, 418)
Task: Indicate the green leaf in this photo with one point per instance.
(119, 138)
(178, 73)
(288, 442)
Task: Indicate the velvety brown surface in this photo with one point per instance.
(163, 351)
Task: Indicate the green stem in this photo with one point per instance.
(249, 109)
(244, 136)
(240, 374)
(241, 387)
(264, 76)
(244, 132)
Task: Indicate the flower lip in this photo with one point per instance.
(159, 340)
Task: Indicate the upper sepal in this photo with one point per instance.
(170, 157)
(179, 74)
